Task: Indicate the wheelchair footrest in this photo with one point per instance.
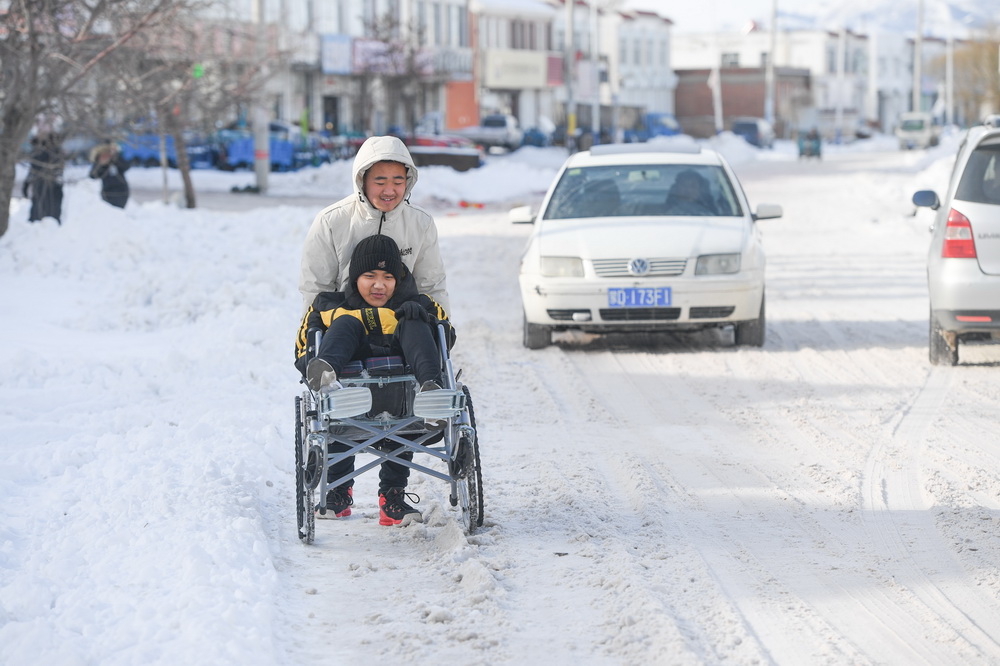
(440, 404)
(346, 402)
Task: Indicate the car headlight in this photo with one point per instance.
(715, 264)
(562, 267)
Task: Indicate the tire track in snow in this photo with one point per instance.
(897, 598)
(692, 507)
(901, 523)
(871, 615)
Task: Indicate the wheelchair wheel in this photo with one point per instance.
(470, 480)
(304, 500)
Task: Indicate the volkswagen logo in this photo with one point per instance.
(638, 266)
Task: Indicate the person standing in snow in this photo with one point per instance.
(383, 177)
(44, 181)
(109, 165)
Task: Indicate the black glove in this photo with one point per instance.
(413, 310)
(449, 333)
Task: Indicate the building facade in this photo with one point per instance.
(858, 82)
(342, 66)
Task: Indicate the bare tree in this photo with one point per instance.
(48, 49)
(977, 82)
(977, 79)
(183, 77)
(392, 63)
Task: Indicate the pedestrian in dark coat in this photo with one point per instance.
(44, 181)
(109, 165)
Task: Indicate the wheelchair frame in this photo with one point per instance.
(330, 427)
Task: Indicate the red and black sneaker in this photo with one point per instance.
(338, 503)
(393, 509)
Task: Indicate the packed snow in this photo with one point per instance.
(830, 498)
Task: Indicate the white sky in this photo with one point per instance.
(709, 15)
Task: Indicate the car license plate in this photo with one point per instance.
(639, 297)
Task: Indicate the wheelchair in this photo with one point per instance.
(379, 412)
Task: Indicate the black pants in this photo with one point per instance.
(390, 475)
(115, 197)
(46, 200)
(345, 340)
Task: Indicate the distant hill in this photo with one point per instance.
(867, 16)
(862, 16)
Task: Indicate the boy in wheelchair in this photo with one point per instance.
(379, 314)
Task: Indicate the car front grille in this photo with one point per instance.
(640, 314)
(718, 312)
(657, 267)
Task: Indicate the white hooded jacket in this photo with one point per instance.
(338, 228)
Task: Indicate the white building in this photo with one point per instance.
(640, 63)
(857, 80)
(518, 66)
(327, 60)
(491, 55)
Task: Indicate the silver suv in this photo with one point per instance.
(963, 263)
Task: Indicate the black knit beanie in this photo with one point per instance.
(378, 252)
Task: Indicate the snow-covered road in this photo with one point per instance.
(829, 498)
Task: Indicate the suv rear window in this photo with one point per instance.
(981, 179)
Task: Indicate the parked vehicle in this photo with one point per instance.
(652, 125)
(289, 150)
(963, 262)
(499, 129)
(917, 130)
(755, 131)
(810, 144)
(144, 150)
(457, 152)
(644, 238)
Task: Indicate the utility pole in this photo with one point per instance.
(595, 106)
(769, 72)
(570, 72)
(261, 135)
(715, 85)
(918, 49)
(949, 74)
(841, 85)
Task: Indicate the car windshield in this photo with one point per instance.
(981, 179)
(643, 189)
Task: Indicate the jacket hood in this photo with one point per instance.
(380, 149)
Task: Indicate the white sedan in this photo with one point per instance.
(640, 238)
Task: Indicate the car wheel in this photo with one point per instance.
(536, 336)
(751, 333)
(939, 351)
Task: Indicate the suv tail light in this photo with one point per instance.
(958, 241)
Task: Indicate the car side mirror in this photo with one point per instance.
(767, 211)
(521, 215)
(926, 199)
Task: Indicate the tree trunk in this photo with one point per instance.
(17, 127)
(184, 166)
(7, 177)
